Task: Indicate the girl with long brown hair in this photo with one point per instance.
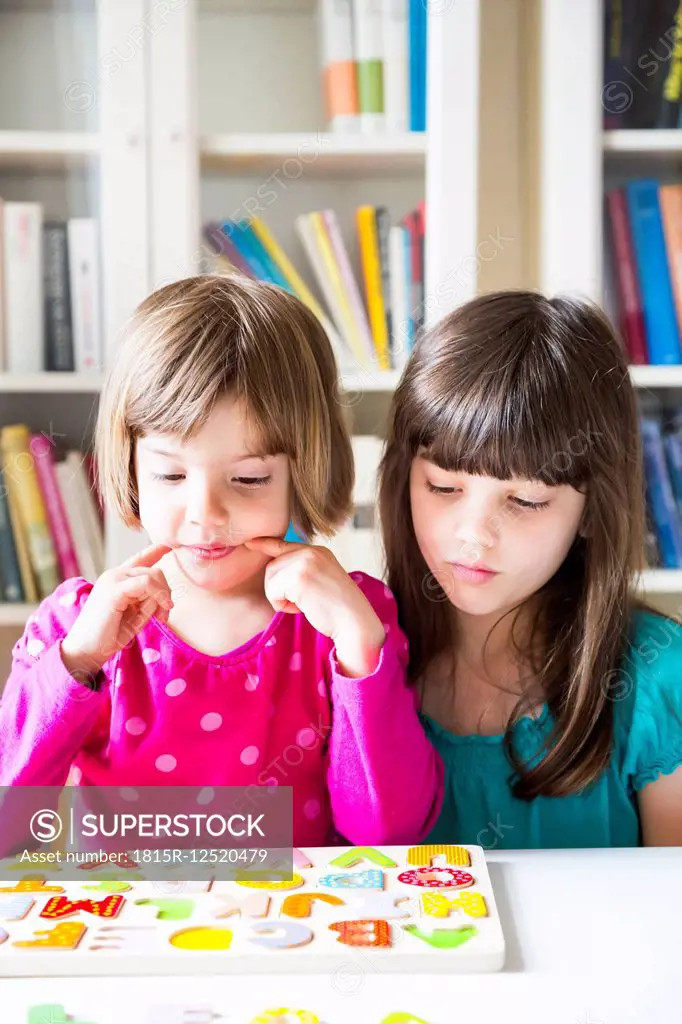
(513, 514)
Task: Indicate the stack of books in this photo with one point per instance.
(642, 64)
(50, 304)
(662, 444)
(372, 325)
(644, 264)
(373, 55)
(51, 518)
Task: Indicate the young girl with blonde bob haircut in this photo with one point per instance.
(513, 513)
(219, 423)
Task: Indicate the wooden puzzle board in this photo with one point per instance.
(409, 909)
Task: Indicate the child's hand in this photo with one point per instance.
(307, 578)
(120, 603)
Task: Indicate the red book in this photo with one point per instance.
(627, 284)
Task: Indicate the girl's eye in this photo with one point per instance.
(170, 477)
(253, 481)
(440, 490)
(533, 506)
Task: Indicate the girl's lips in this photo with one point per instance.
(472, 574)
(210, 553)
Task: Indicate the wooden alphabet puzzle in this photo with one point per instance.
(409, 909)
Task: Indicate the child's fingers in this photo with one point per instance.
(139, 587)
(148, 556)
(273, 546)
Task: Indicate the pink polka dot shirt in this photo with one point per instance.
(275, 711)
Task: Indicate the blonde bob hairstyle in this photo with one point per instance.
(193, 342)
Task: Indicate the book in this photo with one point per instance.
(395, 35)
(660, 493)
(44, 462)
(58, 325)
(12, 590)
(22, 480)
(368, 52)
(84, 279)
(417, 14)
(75, 460)
(343, 260)
(371, 270)
(652, 267)
(339, 73)
(631, 314)
(72, 499)
(23, 287)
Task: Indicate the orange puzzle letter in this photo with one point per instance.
(66, 935)
(301, 904)
(362, 933)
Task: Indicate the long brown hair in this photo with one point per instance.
(516, 384)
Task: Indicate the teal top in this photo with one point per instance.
(479, 807)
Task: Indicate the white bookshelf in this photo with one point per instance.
(37, 150)
(660, 142)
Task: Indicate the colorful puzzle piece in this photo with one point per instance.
(301, 905)
(202, 938)
(370, 879)
(442, 938)
(362, 933)
(169, 909)
(61, 906)
(280, 934)
(15, 908)
(437, 878)
(66, 935)
(358, 853)
(33, 884)
(420, 856)
(52, 1013)
(295, 882)
(108, 887)
(436, 904)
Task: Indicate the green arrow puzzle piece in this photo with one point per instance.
(52, 1013)
(443, 938)
(350, 857)
(170, 909)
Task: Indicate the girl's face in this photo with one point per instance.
(490, 543)
(218, 490)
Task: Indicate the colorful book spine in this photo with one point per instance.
(58, 320)
(400, 308)
(43, 460)
(22, 480)
(371, 270)
(225, 247)
(670, 198)
(383, 220)
(339, 73)
(654, 276)
(12, 589)
(625, 272)
(660, 494)
(241, 239)
(395, 33)
(417, 64)
(88, 507)
(368, 51)
(342, 303)
(411, 222)
(256, 246)
(286, 268)
(84, 278)
(342, 352)
(23, 287)
(343, 261)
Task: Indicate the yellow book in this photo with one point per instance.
(350, 330)
(277, 253)
(23, 488)
(28, 583)
(371, 269)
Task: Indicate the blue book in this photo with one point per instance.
(417, 64)
(256, 246)
(644, 211)
(660, 494)
(241, 238)
(672, 444)
(409, 290)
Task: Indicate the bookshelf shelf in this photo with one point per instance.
(656, 376)
(653, 142)
(662, 581)
(386, 380)
(314, 153)
(47, 150)
(52, 383)
(15, 614)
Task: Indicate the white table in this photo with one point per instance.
(593, 937)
